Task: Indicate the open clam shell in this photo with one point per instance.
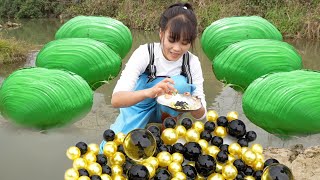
(180, 102)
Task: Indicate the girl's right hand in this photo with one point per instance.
(163, 87)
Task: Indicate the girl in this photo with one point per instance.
(159, 68)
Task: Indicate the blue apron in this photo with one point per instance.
(148, 110)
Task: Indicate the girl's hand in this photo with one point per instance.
(163, 87)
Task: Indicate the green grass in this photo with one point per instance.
(12, 51)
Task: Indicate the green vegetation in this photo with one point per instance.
(12, 51)
(294, 18)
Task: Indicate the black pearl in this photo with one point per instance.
(169, 147)
(83, 172)
(222, 156)
(169, 122)
(224, 147)
(277, 171)
(178, 147)
(209, 126)
(193, 151)
(138, 172)
(236, 128)
(216, 141)
(102, 159)
(270, 161)
(126, 166)
(206, 135)
(239, 164)
(243, 142)
(162, 174)
(222, 121)
(158, 140)
(205, 165)
(189, 171)
(106, 170)
(108, 135)
(187, 123)
(251, 136)
(163, 147)
(83, 147)
(257, 174)
(248, 171)
(121, 149)
(95, 177)
(155, 130)
(240, 176)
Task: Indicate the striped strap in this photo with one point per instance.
(185, 71)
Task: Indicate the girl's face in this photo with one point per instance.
(172, 50)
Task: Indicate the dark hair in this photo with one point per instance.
(181, 20)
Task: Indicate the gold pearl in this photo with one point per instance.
(118, 158)
(234, 149)
(229, 171)
(164, 158)
(94, 169)
(232, 115)
(204, 144)
(169, 136)
(215, 176)
(198, 126)
(105, 177)
(73, 153)
(258, 165)
(213, 151)
(219, 167)
(192, 135)
(231, 158)
(220, 131)
(118, 177)
(119, 138)
(79, 163)
(90, 157)
(71, 174)
(174, 167)
(243, 150)
(249, 178)
(181, 130)
(153, 161)
(110, 148)
(116, 170)
(212, 116)
(180, 176)
(151, 169)
(177, 157)
(259, 157)
(257, 148)
(93, 148)
(199, 177)
(249, 157)
(84, 178)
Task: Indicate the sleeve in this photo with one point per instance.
(135, 66)
(197, 80)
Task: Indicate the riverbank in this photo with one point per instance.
(12, 50)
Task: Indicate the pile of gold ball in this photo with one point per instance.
(188, 150)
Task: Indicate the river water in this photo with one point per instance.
(33, 155)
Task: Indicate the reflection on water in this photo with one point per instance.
(29, 154)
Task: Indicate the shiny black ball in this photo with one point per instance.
(169, 122)
(83, 172)
(209, 126)
(126, 166)
(162, 174)
(222, 121)
(239, 164)
(163, 147)
(187, 123)
(138, 172)
(236, 128)
(240, 176)
(205, 165)
(248, 171)
(224, 147)
(193, 151)
(170, 149)
(102, 159)
(206, 135)
(106, 170)
(83, 147)
(257, 174)
(121, 149)
(251, 136)
(155, 130)
(277, 171)
(190, 171)
(243, 142)
(216, 141)
(222, 156)
(270, 161)
(108, 135)
(158, 140)
(95, 177)
(178, 147)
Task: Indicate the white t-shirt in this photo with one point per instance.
(139, 61)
